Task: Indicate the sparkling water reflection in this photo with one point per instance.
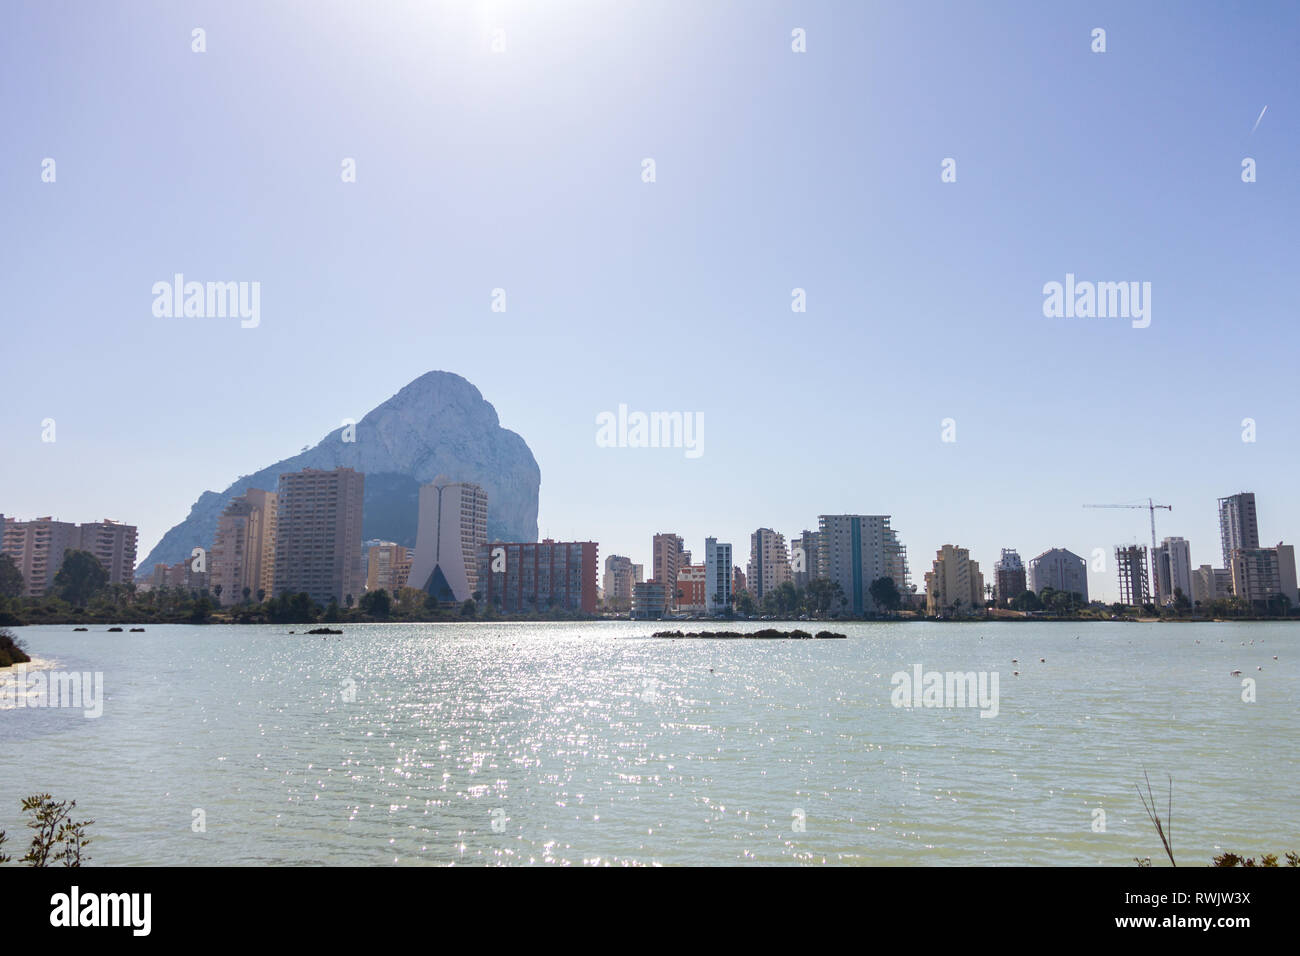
(595, 744)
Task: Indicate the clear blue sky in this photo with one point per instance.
(522, 170)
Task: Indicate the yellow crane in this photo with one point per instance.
(1150, 506)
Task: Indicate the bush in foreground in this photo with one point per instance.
(56, 837)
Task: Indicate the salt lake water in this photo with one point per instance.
(593, 743)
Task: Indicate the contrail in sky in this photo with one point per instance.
(1257, 119)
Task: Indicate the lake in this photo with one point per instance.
(593, 743)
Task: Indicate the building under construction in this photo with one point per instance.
(1131, 563)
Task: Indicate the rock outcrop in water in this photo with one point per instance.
(438, 424)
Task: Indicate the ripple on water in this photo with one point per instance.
(594, 744)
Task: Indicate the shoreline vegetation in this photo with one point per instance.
(122, 607)
(378, 607)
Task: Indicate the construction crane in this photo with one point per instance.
(1150, 506)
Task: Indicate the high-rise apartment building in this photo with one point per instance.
(620, 576)
(803, 558)
(1261, 574)
(452, 529)
(113, 545)
(769, 563)
(718, 575)
(243, 550)
(666, 557)
(542, 575)
(954, 584)
(1238, 524)
(318, 534)
(855, 550)
(388, 566)
(1172, 568)
(37, 547)
(1009, 580)
(1060, 570)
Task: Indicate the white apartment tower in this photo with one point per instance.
(1173, 569)
(452, 528)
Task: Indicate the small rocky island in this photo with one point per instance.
(766, 634)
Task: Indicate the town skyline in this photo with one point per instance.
(778, 547)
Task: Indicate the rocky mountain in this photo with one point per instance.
(438, 424)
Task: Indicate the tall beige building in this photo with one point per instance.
(621, 575)
(318, 534)
(667, 555)
(388, 568)
(954, 581)
(769, 562)
(37, 548)
(453, 526)
(243, 552)
(113, 544)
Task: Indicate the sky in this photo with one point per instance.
(522, 169)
